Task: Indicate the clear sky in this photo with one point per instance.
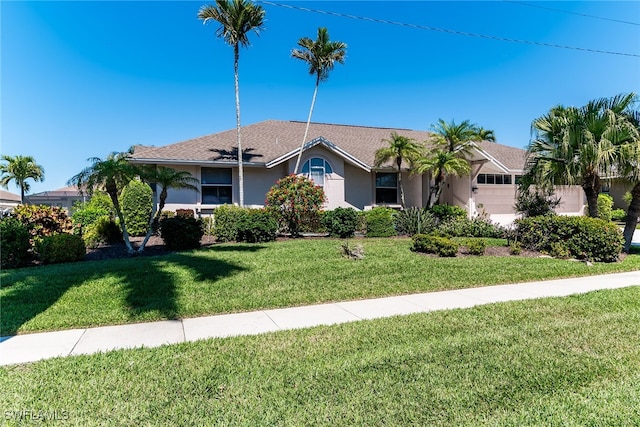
(83, 79)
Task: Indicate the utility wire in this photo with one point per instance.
(572, 13)
(443, 30)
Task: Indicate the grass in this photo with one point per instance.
(559, 361)
(234, 278)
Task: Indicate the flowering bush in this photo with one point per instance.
(293, 200)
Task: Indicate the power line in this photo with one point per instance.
(572, 13)
(443, 30)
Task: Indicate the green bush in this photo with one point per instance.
(87, 216)
(14, 243)
(536, 203)
(605, 206)
(60, 248)
(226, 218)
(185, 213)
(446, 212)
(136, 202)
(431, 244)
(180, 233)
(515, 248)
(257, 226)
(341, 222)
(415, 221)
(584, 237)
(475, 246)
(103, 230)
(380, 222)
(294, 201)
(618, 215)
(559, 250)
(465, 227)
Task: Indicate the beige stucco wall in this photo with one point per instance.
(571, 199)
(257, 182)
(617, 190)
(358, 192)
(181, 198)
(495, 198)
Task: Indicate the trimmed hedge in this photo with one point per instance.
(14, 243)
(341, 222)
(583, 237)
(60, 248)
(380, 222)
(180, 233)
(465, 227)
(226, 218)
(257, 225)
(137, 204)
(432, 244)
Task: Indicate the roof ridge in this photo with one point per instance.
(356, 126)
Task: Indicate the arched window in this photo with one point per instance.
(315, 169)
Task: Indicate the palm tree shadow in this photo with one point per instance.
(232, 155)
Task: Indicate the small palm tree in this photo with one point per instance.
(629, 168)
(111, 175)
(400, 148)
(321, 55)
(19, 169)
(236, 18)
(440, 163)
(165, 178)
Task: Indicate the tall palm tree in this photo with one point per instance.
(458, 137)
(486, 134)
(321, 56)
(111, 175)
(236, 18)
(19, 169)
(573, 145)
(165, 178)
(440, 163)
(400, 148)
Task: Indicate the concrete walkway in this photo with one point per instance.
(38, 346)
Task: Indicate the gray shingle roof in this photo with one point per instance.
(267, 141)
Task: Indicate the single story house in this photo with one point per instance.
(340, 158)
(8, 201)
(62, 197)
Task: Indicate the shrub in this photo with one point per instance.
(341, 222)
(43, 221)
(380, 222)
(559, 250)
(446, 212)
(536, 203)
(179, 233)
(515, 248)
(584, 237)
(136, 202)
(87, 216)
(475, 246)
(256, 226)
(226, 218)
(605, 206)
(103, 230)
(294, 201)
(14, 243)
(59, 248)
(618, 215)
(415, 221)
(476, 227)
(431, 244)
(185, 213)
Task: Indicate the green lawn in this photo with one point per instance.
(243, 277)
(559, 361)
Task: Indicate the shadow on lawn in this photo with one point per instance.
(150, 284)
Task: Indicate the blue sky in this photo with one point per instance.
(83, 79)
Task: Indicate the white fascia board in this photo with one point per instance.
(491, 158)
(320, 141)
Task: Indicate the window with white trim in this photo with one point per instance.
(386, 187)
(216, 186)
(315, 169)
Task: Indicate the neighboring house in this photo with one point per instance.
(340, 158)
(8, 201)
(63, 197)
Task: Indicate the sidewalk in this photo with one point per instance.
(38, 346)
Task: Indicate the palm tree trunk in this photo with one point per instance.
(22, 193)
(123, 225)
(306, 130)
(632, 217)
(591, 187)
(236, 56)
(436, 190)
(153, 219)
(399, 162)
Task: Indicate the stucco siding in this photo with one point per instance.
(358, 192)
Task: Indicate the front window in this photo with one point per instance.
(386, 188)
(315, 169)
(494, 178)
(216, 186)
